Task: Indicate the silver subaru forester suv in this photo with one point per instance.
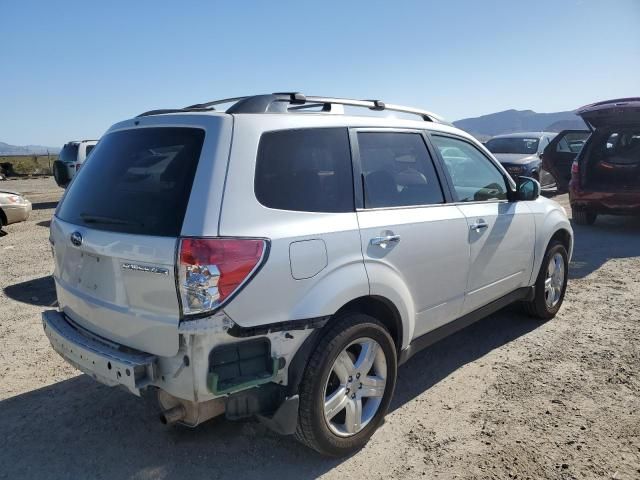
(280, 258)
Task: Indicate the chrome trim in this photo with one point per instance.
(384, 241)
(144, 268)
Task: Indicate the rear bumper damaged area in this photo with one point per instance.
(219, 368)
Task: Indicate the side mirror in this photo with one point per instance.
(527, 189)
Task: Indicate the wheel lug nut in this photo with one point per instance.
(360, 386)
(353, 395)
(357, 375)
(348, 390)
(350, 378)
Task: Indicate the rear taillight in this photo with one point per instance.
(210, 270)
(575, 169)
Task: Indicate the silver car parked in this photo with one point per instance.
(280, 260)
(13, 207)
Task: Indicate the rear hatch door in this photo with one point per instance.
(116, 231)
(610, 113)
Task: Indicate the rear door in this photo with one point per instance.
(115, 232)
(500, 234)
(560, 154)
(411, 237)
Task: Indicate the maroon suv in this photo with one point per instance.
(605, 176)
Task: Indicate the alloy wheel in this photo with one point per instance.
(554, 281)
(355, 387)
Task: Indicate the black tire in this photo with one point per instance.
(538, 307)
(582, 216)
(313, 429)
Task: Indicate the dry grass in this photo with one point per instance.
(29, 164)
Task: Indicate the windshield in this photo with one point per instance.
(69, 153)
(136, 181)
(520, 145)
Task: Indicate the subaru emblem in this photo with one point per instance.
(76, 239)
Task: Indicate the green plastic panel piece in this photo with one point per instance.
(213, 378)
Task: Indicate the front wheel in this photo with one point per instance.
(347, 386)
(551, 283)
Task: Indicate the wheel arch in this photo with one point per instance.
(552, 224)
(3, 218)
(379, 307)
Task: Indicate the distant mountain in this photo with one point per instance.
(519, 121)
(6, 149)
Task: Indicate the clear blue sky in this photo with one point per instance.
(70, 69)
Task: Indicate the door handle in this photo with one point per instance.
(385, 241)
(478, 225)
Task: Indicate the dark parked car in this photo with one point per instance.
(521, 154)
(605, 177)
(559, 155)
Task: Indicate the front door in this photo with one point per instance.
(501, 234)
(414, 244)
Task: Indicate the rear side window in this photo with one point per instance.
(305, 170)
(88, 150)
(622, 147)
(136, 181)
(397, 170)
(69, 153)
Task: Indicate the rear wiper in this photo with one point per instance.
(107, 220)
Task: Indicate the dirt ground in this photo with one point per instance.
(506, 398)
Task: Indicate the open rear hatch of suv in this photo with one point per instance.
(116, 232)
(612, 161)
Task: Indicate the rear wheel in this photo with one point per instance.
(551, 283)
(583, 216)
(347, 386)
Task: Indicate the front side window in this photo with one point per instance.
(397, 170)
(474, 177)
(305, 170)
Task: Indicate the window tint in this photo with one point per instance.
(520, 145)
(473, 175)
(69, 153)
(305, 170)
(88, 150)
(136, 181)
(619, 147)
(572, 142)
(397, 170)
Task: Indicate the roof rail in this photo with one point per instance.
(294, 101)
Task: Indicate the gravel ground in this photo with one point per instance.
(506, 398)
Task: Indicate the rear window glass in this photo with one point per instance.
(69, 153)
(136, 181)
(518, 145)
(305, 170)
